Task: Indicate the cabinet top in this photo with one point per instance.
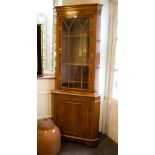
(82, 9)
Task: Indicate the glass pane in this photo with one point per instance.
(75, 73)
(74, 85)
(64, 50)
(85, 50)
(75, 50)
(85, 85)
(75, 76)
(42, 20)
(75, 54)
(85, 73)
(65, 75)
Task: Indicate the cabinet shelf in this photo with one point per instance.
(75, 36)
(76, 64)
(74, 81)
(75, 84)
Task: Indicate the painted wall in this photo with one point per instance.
(103, 62)
(71, 2)
(111, 125)
(112, 120)
(44, 86)
(44, 99)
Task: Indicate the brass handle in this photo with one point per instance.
(60, 50)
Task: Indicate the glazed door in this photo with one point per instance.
(74, 51)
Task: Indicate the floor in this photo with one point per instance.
(105, 147)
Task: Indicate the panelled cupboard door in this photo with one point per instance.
(73, 117)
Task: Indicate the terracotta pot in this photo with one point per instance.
(48, 138)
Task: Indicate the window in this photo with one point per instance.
(39, 50)
(45, 19)
(54, 41)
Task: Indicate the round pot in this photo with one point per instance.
(48, 138)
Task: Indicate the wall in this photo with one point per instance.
(44, 100)
(71, 2)
(103, 62)
(44, 86)
(112, 120)
(111, 125)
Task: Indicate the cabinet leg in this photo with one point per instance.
(91, 143)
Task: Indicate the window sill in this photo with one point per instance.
(46, 77)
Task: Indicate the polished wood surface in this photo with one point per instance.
(76, 98)
(77, 116)
(82, 9)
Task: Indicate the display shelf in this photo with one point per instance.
(76, 35)
(75, 64)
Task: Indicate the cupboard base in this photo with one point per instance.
(77, 116)
(88, 142)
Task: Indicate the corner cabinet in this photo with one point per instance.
(76, 98)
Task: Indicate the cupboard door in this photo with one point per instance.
(73, 117)
(75, 52)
